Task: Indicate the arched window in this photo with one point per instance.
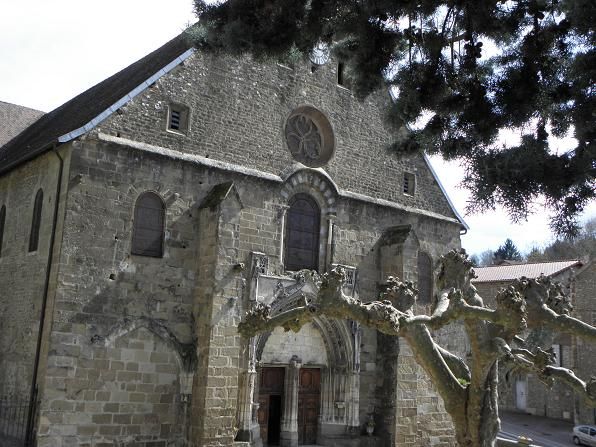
(303, 224)
(148, 226)
(36, 221)
(2, 220)
(425, 278)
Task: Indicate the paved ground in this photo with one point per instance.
(545, 432)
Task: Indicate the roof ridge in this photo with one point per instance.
(530, 263)
(85, 108)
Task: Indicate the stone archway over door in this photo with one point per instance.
(309, 402)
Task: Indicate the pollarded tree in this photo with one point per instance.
(469, 390)
(537, 77)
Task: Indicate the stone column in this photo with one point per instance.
(330, 241)
(354, 388)
(281, 217)
(245, 400)
(289, 420)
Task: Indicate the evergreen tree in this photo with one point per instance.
(507, 252)
(538, 79)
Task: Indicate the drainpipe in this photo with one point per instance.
(29, 438)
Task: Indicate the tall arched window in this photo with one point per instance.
(2, 220)
(425, 278)
(36, 221)
(148, 226)
(303, 225)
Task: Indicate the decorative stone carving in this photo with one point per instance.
(260, 264)
(186, 379)
(351, 274)
(303, 137)
(309, 137)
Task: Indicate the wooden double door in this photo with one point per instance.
(309, 402)
(271, 401)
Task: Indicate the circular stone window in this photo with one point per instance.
(309, 137)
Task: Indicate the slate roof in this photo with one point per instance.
(83, 108)
(510, 272)
(14, 119)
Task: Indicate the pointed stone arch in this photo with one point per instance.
(185, 353)
(340, 382)
(146, 376)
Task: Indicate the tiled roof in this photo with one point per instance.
(511, 272)
(85, 107)
(14, 119)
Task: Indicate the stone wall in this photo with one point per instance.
(307, 344)
(23, 273)
(127, 393)
(194, 293)
(237, 115)
(585, 309)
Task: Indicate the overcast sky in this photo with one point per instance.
(52, 50)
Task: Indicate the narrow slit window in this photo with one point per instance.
(409, 185)
(148, 226)
(425, 278)
(341, 74)
(2, 220)
(178, 118)
(36, 221)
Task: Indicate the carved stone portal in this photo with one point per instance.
(308, 383)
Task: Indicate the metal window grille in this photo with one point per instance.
(175, 119)
(409, 183)
(14, 414)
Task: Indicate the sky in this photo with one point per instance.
(50, 51)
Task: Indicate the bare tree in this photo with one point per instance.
(468, 390)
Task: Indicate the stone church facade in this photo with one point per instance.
(143, 218)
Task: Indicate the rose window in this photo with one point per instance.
(309, 137)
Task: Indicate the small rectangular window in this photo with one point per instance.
(558, 350)
(36, 221)
(178, 118)
(341, 74)
(409, 185)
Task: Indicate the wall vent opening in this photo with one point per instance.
(178, 118)
(409, 185)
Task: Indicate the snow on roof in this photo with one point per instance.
(511, 272)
